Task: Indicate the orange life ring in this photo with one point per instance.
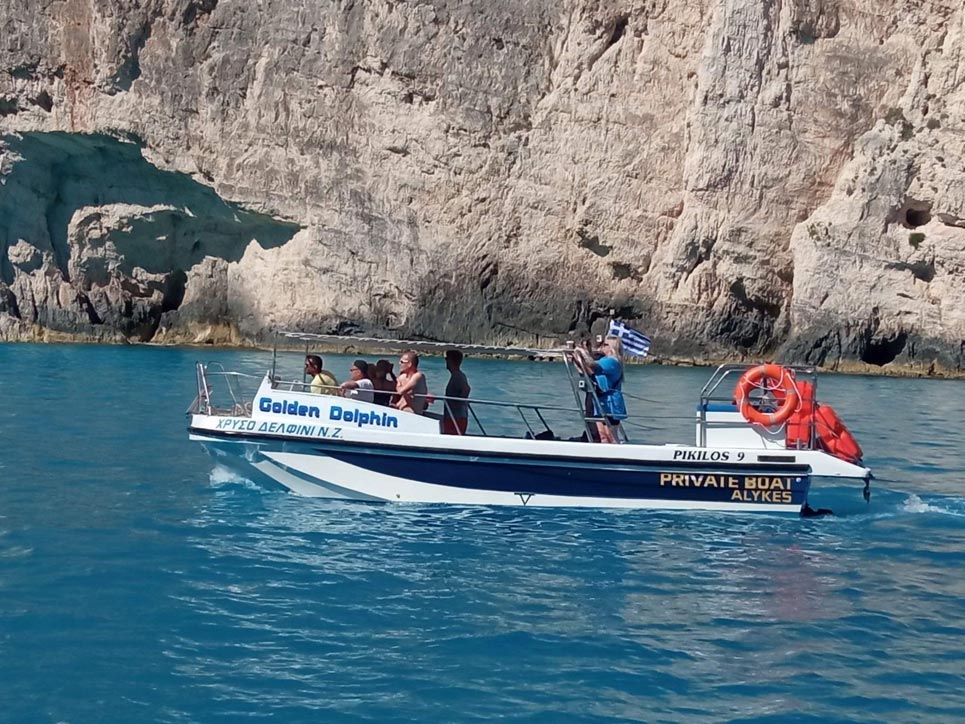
(761, 377)
(834, 437)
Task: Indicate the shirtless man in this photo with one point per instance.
(456, 418)
(410, 384)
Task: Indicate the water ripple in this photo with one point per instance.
(141, 582)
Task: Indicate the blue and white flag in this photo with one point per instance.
(634, 343)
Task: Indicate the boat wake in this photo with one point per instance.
(223, 476)
(945, 506)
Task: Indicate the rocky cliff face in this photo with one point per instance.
(742, 178)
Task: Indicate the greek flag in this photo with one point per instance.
(635, 343)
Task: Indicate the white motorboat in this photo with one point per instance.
(760, 439)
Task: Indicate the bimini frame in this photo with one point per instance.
(580, 383)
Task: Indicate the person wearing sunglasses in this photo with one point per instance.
(411, 386)
(359, 386)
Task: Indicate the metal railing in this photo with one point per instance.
(585, 394)
(229, 387)
(721, 389)
(217, 386)
(584, 390)
(519, 407)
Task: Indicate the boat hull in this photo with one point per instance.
(443, 473)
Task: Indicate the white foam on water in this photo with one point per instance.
(914, 504)
(220, 475)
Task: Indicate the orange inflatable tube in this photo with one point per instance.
(834, 437)
(799, 423)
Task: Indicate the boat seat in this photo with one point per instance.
(719, 407)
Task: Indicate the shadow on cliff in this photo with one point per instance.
(174, 222)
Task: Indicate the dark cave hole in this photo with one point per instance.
(619, 29)
(43, 100)
(923, 271)
(917, 217)
(197, 10)
(880, 352)
(174, 290)
(591, 242)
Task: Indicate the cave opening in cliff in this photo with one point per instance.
(619, 29)
(880, 352)
(917, 216)
(173, 292)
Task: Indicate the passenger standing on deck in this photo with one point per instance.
(359, 387)
(608, 376)
(456, 418)
(588, 404)
(323, 381)
(410, 385)
(383, 381)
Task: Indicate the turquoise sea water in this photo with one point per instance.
(140, 582)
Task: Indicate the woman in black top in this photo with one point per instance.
(383, 382)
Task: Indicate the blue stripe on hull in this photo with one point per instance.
(558, 477)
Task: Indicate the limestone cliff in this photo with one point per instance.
(744, 178)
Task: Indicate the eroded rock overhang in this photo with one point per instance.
(97, 242)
